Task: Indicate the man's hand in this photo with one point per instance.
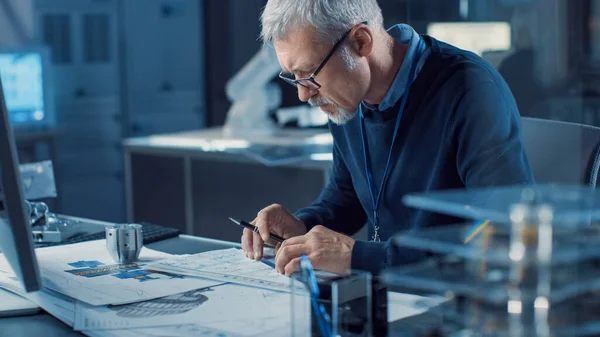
(327, 250)
(274, 219)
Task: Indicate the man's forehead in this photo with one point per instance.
(299, 50)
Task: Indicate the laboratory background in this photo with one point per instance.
(149, 132)
(170, 112)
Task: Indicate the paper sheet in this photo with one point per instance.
(227, 265)
(226, 308)
(189, 330)
(85, 272)
(59, 306)
(12, 302)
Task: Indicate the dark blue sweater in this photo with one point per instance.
(460, 129)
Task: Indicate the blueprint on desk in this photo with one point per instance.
(218, 310)
(85, 272)
(231, 308)
(227, 265)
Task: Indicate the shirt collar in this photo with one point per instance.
(404, 34)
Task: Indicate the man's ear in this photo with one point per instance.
(362, 40)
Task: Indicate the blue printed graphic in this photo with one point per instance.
(86, 264)
(134, 271)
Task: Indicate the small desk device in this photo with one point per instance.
(15, 234)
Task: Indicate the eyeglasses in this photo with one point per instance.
(310, 82)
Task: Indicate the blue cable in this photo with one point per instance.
(320, 312)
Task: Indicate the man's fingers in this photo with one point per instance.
(292, 267)
(243, 241)
(257, 247)
(296, 240)
(262, 222)
(286, 254)
(247, 237)
(277, 247)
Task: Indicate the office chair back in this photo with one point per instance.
(561, 152)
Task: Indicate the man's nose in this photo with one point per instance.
(304, 93)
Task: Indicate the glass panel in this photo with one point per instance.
(574, 206)
(494, 246)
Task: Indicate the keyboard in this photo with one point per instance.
(151, 232)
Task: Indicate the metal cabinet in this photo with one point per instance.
(163, 45)
(164, 65)
(83, 38)
(122, 68)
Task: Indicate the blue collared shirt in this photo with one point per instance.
(404, 34)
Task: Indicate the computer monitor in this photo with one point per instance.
(477, 37)
(15, 233)
(28, 86)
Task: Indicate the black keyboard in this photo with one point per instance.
(152, 233)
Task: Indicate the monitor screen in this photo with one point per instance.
(477, 37)
(16, 241)
(22, 75)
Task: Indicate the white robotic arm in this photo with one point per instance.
(252, 95)
(255, 75)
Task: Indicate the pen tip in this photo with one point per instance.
(234, 220)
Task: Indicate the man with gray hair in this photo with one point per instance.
(407, 113)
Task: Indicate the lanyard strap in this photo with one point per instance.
(372, 187)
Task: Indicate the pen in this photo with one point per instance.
(255, 229)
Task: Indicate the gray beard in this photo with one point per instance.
(341, 116)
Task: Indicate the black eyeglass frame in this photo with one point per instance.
(314, 85)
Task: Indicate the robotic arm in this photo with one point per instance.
(252, 94)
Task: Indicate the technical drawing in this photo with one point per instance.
(170, 305)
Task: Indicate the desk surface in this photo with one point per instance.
(219, 138)
(310, 148)
(48, 326)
